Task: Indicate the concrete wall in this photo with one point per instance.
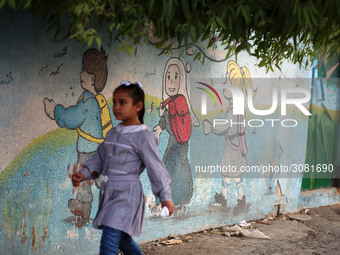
(38, 155)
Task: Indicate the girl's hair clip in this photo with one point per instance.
(127, 83)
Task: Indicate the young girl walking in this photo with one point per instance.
(127, 150)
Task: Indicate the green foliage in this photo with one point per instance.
(269, 30)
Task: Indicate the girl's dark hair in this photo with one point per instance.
(137, 94)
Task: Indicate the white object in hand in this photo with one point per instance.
(165, 212)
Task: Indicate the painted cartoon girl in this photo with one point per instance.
(236, 148)
(177, 117)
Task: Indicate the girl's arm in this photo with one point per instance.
(157, 173)
(93, 167)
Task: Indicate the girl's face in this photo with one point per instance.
(124, 109)
(172, 80)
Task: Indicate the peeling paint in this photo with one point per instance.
(72, 234)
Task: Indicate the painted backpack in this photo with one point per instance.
(105, 119)
(180, 120)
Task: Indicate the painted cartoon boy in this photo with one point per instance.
(86, 118)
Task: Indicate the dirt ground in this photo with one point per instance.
(311, 231)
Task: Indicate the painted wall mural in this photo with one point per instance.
(236, 148)
(56, 107)
(90, 117)
(178, 118)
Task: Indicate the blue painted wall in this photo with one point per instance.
(37, 155)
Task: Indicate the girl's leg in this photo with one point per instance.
(109, 243)
(128, 246)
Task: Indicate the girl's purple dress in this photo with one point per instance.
(121, 158)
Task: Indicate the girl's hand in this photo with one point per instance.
(170, 206)
(77, 178)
